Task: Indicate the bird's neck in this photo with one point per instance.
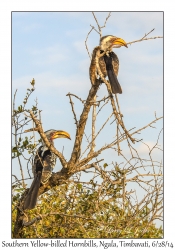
(106, 52)
(44, 145)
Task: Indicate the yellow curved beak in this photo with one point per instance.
(61, 134)
(118, 42)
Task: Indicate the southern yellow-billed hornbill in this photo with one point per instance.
(44, 163)
(109, 62)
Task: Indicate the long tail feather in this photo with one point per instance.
(115, 85)
(31, 198)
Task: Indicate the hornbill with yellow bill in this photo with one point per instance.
(109, 62)
(44, 163)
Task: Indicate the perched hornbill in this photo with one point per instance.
(109, 62)
(44, 163)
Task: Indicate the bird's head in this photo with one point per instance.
(109, 42)
(54, 134)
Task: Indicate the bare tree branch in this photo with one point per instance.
(81, 126)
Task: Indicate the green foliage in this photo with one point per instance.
(75, 211)
(22, 145)
(33, 82)
(19, 121)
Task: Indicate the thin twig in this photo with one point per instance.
(106, 20)
(86, 43)
(73, 111)
(99, 28)
(140, 40)
(147, 33)
(91, 143)
(95, 29)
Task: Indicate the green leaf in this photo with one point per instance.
(33, 82)
(105, 165)
(19, 189)
(34, 108)
(20, 108)
(62, 230)
(79, 186)
(14, 149)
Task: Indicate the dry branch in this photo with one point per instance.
(81, 126)
(95, 154)
(94, 115)
(73, 111)
(140, 40)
